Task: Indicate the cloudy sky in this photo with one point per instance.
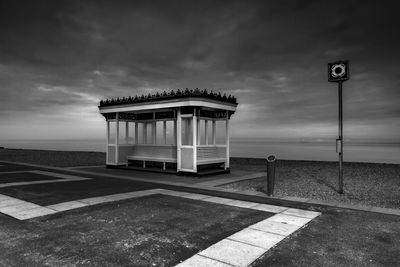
(59, 58)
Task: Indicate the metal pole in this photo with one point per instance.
(340, 191)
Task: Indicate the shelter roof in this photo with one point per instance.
(171, 95)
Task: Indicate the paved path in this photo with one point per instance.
(239, 249)
(64, 178)
(217, 190)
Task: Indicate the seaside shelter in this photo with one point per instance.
(183, 131)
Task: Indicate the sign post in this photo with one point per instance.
(339, 72)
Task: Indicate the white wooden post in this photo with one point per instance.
(195, 122)
(136, 133)
(178, 140)
(227, 141)
(213, 132)
(165, 132)
(197, 132)
(107, 140)
(206, 130)
(117, 137)
(144, 132)
(175, 132)
(127, 132)
(154, 133)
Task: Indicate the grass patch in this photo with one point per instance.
(150, 231)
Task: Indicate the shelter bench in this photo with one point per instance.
(154, 153)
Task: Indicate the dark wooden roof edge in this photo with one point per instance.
(169, 95)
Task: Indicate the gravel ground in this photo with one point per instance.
(364, 183)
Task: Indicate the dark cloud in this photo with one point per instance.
(62, 56)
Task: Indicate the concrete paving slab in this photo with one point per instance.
(20, 207)
(4, 197)
(257, 238)
(59, 175)
(290, 219)
(275, 227)
(174, 193)
(140, 193)
(195, 196)
(32, 182)
(302, 213)
(120, 196)
(157, 191)
(11, 172)
(241, 204)
(233, 252)
(219, 200)
(94, 200)
(10, 202)
(269, 208)
(67, 205)
(29, 214)
(386, 210)
(201, 261)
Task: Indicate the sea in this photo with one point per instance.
(250, 148)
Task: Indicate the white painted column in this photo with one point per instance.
(227, 141)
(206, 130)
(175, 132)
(117, 136)
(107, 140)
(213, 132)
(178, 140)
(136, 133)
(165, 132)
(154, 133)
(127, 132)
(198, 132)
(195, 123)
(144, 132)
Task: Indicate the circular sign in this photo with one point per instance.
(338, 70)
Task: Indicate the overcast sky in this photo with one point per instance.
(59, 58)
